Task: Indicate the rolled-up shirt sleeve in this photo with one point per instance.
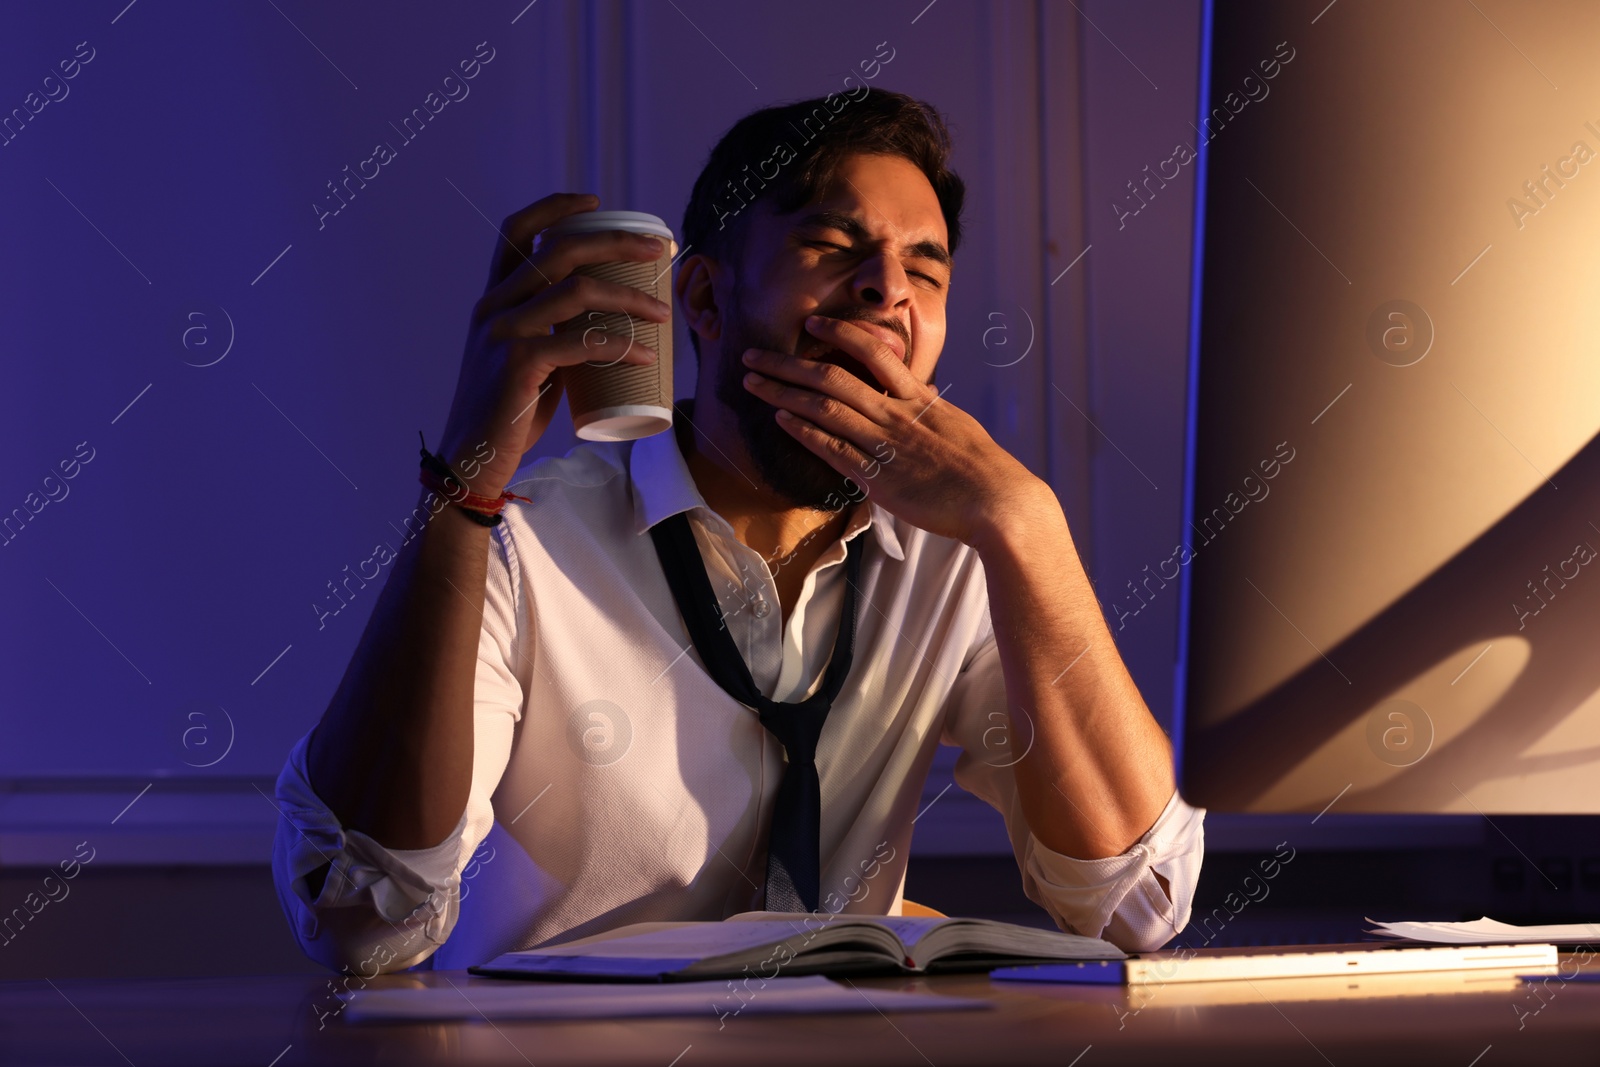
(1118, 898)
(352, 903)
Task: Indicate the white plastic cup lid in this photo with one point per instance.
(596, 221)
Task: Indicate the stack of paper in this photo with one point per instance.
(1488, 932)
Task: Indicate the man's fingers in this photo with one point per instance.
(839, 452)
(595, 346)
(555, 261)
(519, 229)
(575, 295)
(867, 348)
(822, 376)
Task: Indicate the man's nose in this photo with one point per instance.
(881, 282)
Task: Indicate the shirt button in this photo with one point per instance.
(762, 607)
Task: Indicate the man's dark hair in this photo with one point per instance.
(789, 153)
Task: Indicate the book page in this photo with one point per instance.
(650, 949)
(927, 938)
(908, 928)
(685, 940)
(989, 937)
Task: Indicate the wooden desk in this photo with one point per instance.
(273, 1022)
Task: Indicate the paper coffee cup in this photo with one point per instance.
(612, 400)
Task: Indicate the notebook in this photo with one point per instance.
(764, 944)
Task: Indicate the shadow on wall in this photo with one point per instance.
(1232, 765)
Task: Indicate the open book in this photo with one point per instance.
(765, 944)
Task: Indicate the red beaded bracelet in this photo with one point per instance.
(437, 476)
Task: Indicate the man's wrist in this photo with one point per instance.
(480, 468)
(434, 504)
(475, 477)
(1025, 516)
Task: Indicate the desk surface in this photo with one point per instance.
(275, 1022)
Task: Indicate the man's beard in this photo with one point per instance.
(786, 466)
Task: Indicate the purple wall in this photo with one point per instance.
(250, 366)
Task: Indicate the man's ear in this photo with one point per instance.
(694, 291)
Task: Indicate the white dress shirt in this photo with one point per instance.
(615, 782)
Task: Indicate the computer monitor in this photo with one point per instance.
(1390, 569)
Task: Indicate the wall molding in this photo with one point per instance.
(137, 820)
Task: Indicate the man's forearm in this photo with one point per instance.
(1099, 771)
(392, 756)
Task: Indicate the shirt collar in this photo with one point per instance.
(662, 486)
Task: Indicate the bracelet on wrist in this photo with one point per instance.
(437, 476)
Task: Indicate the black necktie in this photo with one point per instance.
(793, 865)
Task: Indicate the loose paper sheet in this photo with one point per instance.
(480, 998)
(1488, 932)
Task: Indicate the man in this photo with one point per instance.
(539, 738)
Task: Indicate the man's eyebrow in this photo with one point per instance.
(856, 230)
